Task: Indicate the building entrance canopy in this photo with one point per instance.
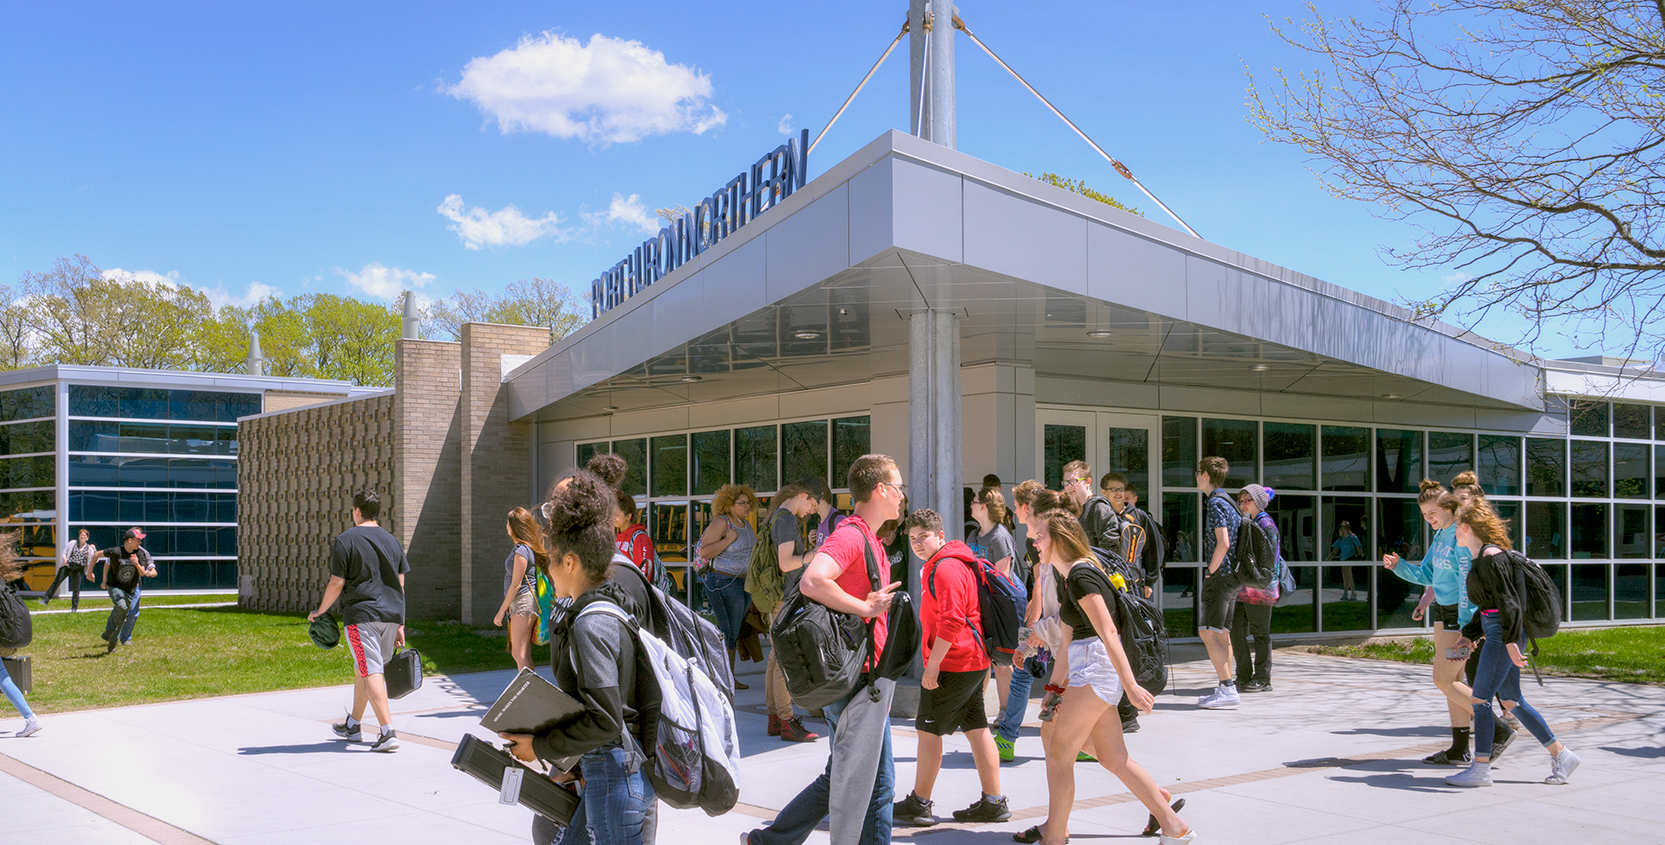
(819, 292)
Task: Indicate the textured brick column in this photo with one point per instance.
(427, 496)
(496, 461)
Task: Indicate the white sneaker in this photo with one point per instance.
(33, 727)
(1561, 767)
(1189, 837)
(1476, 775)
(1223, 697)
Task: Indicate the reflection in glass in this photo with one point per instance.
(1398, 461)
(1589, 592)
(1509, 512)
(1179, 453)
(1297, 520)
(1449, 453)
(1291, 456)
(1633, 421)
(1061, 445)
(1347, 528)
(1546, 467)
(1128, 453)
(1346, 598)
(1179, 600)
(852, 438)
(1179, 520)
(585, 451)
(1346, 464)
(1632, 535)
(803, 450)
(1630, 591)
(1296, 613)
(1587, 418)
(1499, 465)
(1631, 473)
(670, 465)
(634, 453)
(711, 457)
(29, 403)
(1589, 469)
(755, 458)
(1236, 441)
(1589, 532)
(24, 438)
(1546, 530)
(1399, 530)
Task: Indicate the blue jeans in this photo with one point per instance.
(729, 601)
(132, 615)
(1498, 676)
(614, 801)
(1017, 702)
(802, 814)
(124, 609)
(13, 694)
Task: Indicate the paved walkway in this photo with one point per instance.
(1330, 756)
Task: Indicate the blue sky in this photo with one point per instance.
(242, 149)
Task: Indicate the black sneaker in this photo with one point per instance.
(984, 811)
(1131, 726)
(913, 811)
(1501, 744)
(352, 734)
(388, 741)
(1445, 757)
(1250, 686)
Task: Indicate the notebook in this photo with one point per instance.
(530, 705)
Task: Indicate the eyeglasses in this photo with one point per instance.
(1082, 480)
(900, 488)
(1115, 489)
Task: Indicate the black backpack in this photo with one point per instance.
(1112, 564)
(1144, 637)
(1000, 605)
(821, 651)
(17, 630)
(1540, 602)
(1254, 559)
(1142, 539)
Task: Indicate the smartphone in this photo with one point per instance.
(1457, 653)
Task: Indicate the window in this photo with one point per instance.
(1630, 591)
(670, 465)
(1398, 461)
(1589, 469)
(586, 451)
(1589, 532)
(1546, 530)
(852, 438)
(157, 404)
(1586, 418)
(29, 403)
(1237, 442)
(1632, 421)
(1347, 517)
(1063, 444)
(161, 438)
(37, 471)
(1297, 520)
(1291, 456)
(1346, 464)
(634, 453)
(1128, 452)
(1589, 592)
(803, 451)
(1631, 473)
(1509, 512)
(1180, 521)
(711, 456)
(1449, 454)
(112, 471)
(1179, 454)
(1546, 467)
(756, 454)
(23, 438)
(1499, 466)
(1632, 536)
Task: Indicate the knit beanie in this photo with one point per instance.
(1261, 495)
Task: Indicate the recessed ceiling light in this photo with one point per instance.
(1393, 396)
(609, 409)
(807, 334)
(1100, 333)
(690, 378)
(1260, 368)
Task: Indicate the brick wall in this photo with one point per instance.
(426, 442)
(496, 462)
(296, 475)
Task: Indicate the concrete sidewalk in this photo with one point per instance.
(1330, 756)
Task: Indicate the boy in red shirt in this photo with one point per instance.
(956, 669)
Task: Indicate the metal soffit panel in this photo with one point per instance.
(852, 327)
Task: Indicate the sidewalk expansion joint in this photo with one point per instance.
(149, 827)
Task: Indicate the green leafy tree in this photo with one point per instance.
(321, 335)
(534, 302)
(17, 331)
(85, 318)
(1081, 188)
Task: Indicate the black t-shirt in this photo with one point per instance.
(783, 527)
(122, 572)
(370, 560)
(1083, 580)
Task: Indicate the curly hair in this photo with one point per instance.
(723, 502)
(1467, 484)
(923, 518)
(995, 501)
(581, 523)
(610, 468)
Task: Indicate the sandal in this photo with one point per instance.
(1032, 835)
(1154, 827)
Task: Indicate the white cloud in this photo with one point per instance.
(785, 125)
(628, 210)
(604, 92)
(384, 282)
(149, 277)
(505, 227)
(254, 293)
(218, 295)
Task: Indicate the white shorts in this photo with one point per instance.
(1090, 666)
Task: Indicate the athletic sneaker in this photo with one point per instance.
(1561, 766)
(352, 734)
(1444, 757)
(1223, 696)
(1189, 837)
(32, 727)
(388, 741)
(1131, 726)
(1501, 745)
(1476, 775)
(913, 811)
(984, 811)
(1007, 749)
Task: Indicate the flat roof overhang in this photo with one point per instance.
(816, 293)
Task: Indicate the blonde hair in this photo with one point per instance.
(1467, 482)
(1069, 539)
(1492, 529)
(723, 502)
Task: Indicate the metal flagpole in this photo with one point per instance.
(897, 40)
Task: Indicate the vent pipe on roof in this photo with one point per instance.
(257, 362)
(412, 323)
(931, 78)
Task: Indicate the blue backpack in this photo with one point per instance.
(1001, 603)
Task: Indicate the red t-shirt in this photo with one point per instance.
(952, 611)
(844, 547)
(634, 543)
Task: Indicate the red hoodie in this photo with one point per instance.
(952, 613)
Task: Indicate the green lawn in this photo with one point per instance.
(98, 601)
(1635, 655)
(202, 652)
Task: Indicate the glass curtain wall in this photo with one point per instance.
(28, 476)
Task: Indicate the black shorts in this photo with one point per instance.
(1445, 614)
(1219, 599)
(955, 705)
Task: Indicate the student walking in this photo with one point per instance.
(956, 667)
(125, 567)
(520, 602)
(1092, 672)
(837, 577)
(1252, 616)
(1098, 517)
(1500, 608)
(994, 543)
(593, 658)
(1221, 520)
(727, 543)
(791, 504)
(11, 569)
(633, 539)
(367, 573)
(73, 565)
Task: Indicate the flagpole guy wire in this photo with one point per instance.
(1120, 168)
(864, 80)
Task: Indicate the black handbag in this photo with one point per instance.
(403, 673)
(820, 651)
(17, 630)
(486, 763)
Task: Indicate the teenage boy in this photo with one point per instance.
(956, 666)
(836, 576)
(124, 567)
(1219, 587)
(367, 572)
(1114, 487)
(1098, 518)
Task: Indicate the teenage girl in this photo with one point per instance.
(994, 543)
(11, 569)
(1093, 670)
(1466, 487)
(727, 543)
(520, 603)
(593, 659)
